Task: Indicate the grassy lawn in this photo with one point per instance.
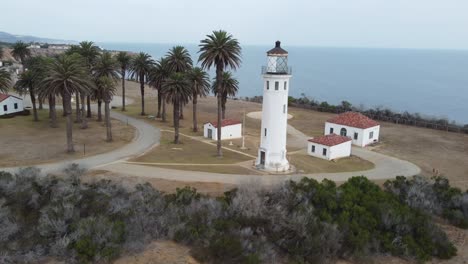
(308, 164)
(25, 142)
(189, 151)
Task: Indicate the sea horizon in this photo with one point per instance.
(430, 82)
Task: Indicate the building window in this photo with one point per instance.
(356, 136)
(331, 130)
(268, 85)
(265, 132)
(371, 135)
(313, 149)
(284, 109)
(285, 85)
(16, 105)
(343, 132)
(276, 86)
(324, 152)
(5, 108)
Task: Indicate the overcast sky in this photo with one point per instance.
(348, 23)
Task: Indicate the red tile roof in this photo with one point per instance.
(330, 140)
(3, 96)
(353, 119)
(225, 122)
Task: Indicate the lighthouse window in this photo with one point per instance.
(284, 109)
(268, 85)
(276, 86)
(285, 85)
(265, 132)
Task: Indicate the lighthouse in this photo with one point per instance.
(276, 75)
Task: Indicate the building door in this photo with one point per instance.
(262, 158)
(210, 133)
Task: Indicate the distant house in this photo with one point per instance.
(10, 104)
(329, 147)
(230, 129)
(361, 129)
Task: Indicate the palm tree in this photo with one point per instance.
(124, 59)
(106, 86)
(220, 50)
(90, 52)
(176, 89)
(156, 78)
(200, 83)
(179, 60)
(140, 68)
(105, 66)
(21, 52)
(5, 81)
(230, 86)
(67, 75)
(29, 80)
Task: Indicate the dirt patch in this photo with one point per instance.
(24, 142)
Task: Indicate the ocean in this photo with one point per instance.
(429, 82)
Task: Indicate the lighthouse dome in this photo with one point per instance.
(277, 62)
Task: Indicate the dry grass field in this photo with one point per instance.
(25, 142)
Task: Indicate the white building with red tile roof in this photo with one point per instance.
(329, 147)
(362, 130)
(230, 129)
(10, 104)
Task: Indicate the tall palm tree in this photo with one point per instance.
(179, 60)
(220, 50)
(140, 68)
(230, 86)
(21, 52)
(156, 78)
(176, 89)
(90, 52)
(200, 84)
(5, 81)
(29, 80)
(106, 86)
(105, 66)
(124, 59)
(67, 75)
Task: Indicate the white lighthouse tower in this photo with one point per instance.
(276, 75)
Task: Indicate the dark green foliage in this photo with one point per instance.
(301, 222)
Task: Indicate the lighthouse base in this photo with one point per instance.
(271, 163)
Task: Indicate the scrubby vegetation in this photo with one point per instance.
(302, 222)
(433, 196)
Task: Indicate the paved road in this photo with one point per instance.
(146, 137)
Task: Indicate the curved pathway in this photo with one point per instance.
(146, 137)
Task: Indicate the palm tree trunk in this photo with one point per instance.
(223, 108)
(158, 115)
(33, 101)
(99, 111)
(52, 111)
(40, 104)
(63, 107)
(123, 89)
(78, 115)
(219, 79)
(163, 114)
(88, 105)
(108, 122)
(176, 121)
(84, 120)
(142, 91)
(68, 113)
(181, 111)
(195, 123)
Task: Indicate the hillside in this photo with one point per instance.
(10, 38)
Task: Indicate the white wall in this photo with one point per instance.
(363, 134)
(10, 105)
(334, 152)
(227, 132)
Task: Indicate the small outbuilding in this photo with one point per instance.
(10, 104)
(362, 130)
(230, 129)
(329, 147)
